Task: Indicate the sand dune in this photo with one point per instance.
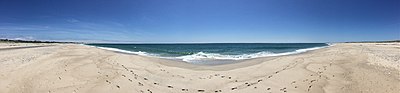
(70, 68)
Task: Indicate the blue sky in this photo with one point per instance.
(158, 21)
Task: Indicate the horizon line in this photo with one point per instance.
(136, 42)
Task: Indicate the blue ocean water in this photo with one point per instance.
(223, 52)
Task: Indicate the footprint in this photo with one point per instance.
(283, 89)
(293, 82)
(108, 82)
(200, 90)
(183, 89)
(312, 81)
(234, 88)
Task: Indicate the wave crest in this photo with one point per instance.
(215, 56)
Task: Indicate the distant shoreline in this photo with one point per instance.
(389, 41)
(35, 41)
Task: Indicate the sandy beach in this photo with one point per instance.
(73, 68)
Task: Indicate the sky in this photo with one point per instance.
(204, 21)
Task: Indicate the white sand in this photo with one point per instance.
(69, 68)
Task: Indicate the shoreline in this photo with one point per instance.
(342, 68)
(219, 67)
(210, 61)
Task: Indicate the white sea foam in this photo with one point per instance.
(126, 51)
(215, 56)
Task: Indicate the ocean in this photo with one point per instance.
(212, 53)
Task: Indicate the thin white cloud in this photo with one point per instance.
(17, 37)
(80, 31)
(24, 38)
(72, 20)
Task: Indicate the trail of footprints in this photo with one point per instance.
(315, 77)
(241, 86)
(248, 84)
(137, 79)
